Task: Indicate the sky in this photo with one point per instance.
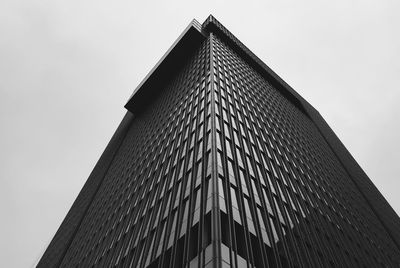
(68, 67)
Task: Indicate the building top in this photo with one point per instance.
(186, 43)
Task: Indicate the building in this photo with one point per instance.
(219, 163)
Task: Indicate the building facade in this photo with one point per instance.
(219, 163)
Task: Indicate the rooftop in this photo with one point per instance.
(186, 44)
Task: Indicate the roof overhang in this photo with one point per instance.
(173, 59)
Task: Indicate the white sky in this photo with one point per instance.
(68, 67)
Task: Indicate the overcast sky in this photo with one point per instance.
(68, 67)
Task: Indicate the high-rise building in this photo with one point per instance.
(219, 163)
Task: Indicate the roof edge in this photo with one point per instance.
(174, 56)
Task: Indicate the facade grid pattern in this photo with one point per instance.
(273, 164)
(158, 185)
(221, 168)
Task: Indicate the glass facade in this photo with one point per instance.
(221, 168)
(284, 197)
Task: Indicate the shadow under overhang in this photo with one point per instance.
(173, 59)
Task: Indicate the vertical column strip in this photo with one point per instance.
(215, 218)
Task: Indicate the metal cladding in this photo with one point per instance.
(219, 163)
